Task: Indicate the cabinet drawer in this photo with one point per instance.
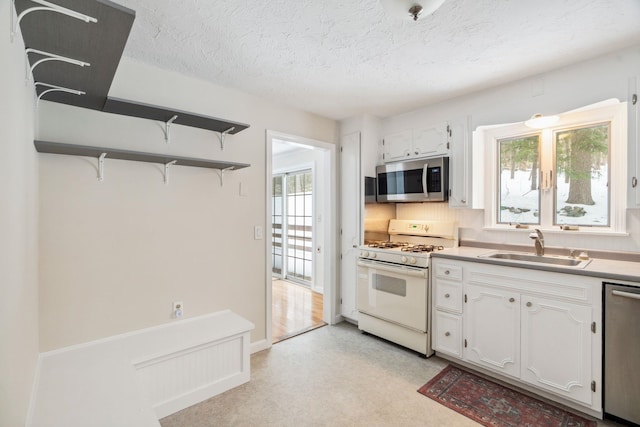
(448, 271)
(448, 295)
(447, 334)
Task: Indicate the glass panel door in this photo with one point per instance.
(292, 226)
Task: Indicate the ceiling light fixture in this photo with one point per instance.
(412, 8)
(538, 121)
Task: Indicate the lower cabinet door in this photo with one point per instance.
(447, 334)
(492, 329)
(556, 347)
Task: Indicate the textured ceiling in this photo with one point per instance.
(340, 58)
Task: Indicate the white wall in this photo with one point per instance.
(115, 254)
(553, 92)
(18, 232)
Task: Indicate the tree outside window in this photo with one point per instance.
(582, 168)
(519, 200)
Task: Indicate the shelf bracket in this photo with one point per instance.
(54, 88)
(51, 57)
(50, 7)
(222, 135)
(101, 166)
(167, 126)
(166, 170)
(221, 174)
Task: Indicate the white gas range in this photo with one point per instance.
(393, 282)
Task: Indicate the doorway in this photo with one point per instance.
(301, 201)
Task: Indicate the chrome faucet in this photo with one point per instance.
(539, 241)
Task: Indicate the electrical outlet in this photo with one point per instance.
(178, 309)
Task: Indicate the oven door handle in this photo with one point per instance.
(425, 170)
(409, 271)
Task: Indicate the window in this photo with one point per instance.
(566, 176)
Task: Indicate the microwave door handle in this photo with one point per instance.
(424, 180)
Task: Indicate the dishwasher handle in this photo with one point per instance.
(625, 294)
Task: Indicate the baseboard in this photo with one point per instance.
(34, 390)
(259, 346)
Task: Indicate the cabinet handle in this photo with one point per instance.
(529, 304)
(463, 201)
(512, 299)
(417, 152)
(446, 295)
(634, 182)
(446, 334)
(446, 272)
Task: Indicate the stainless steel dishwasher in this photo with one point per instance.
(622, 352)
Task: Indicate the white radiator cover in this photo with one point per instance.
(136, 378)
(181, 379)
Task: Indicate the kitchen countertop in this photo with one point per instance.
(608, 269)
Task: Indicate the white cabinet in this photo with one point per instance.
(564, 330)
(447, 308)
(536, 328)
(397, 146)
(633, 140)
(428, 141)
(447, 333)
(492, 328)
(350, 214)
(431, 140)
(466, 165)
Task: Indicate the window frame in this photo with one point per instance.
(611, 111)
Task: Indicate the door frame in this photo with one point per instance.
(330, 297)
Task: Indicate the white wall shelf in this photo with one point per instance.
(67, 58)
(102, 153)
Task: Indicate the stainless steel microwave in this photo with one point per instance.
(425, 180)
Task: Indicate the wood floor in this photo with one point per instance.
(295, 310)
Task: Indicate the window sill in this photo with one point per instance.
(586, 231)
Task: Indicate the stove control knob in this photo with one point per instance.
(403, 259)
(365, 254)
(373, 255)
(412, 261)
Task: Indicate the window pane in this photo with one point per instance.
(519, 200)
(582, 170)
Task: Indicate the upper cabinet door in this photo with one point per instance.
(430, 141)
(460, 172)
(397, 146)
(633, 121)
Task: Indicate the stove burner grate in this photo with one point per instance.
(422, 248)
(386, 245)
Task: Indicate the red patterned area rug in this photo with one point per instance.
(491, 404)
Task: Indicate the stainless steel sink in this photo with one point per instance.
(538, 259)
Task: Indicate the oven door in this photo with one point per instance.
(397, 294)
